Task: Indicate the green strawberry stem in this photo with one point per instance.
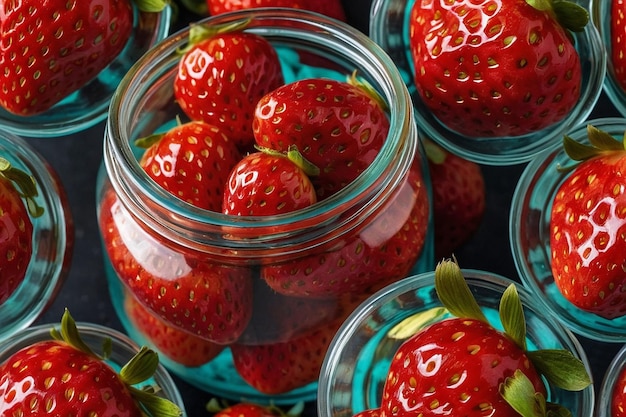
(201, 32)
(26, 186)
(601, 143)
(151, 6)
(559, 366)
(570, 15)
(295, 156)
(368, 89)
(139, 368)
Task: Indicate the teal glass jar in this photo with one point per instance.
(52, 239)
(166, 240)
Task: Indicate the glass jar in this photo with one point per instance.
(385, 210)
(88, 105)
(358, 360)
(52, 239)
(95, 335)
(389, 27)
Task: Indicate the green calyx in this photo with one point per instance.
(200, 32)
(152, 6)
(559, 366)
(139, 368)
(368, 89)
(434, 152)
(570, 15)
(25, 185)
(295, 156)
(600, 143)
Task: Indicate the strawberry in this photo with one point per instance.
(463, 366)
(337, 126)
(383, 252)
(618, 395)
(16, 227)
(330, 8)
(177, 345)
(618, 41)
(496, 70)
(248, 409)
(51, 48)
(588, 227)
(64, 377)
(222, 74)
(263, 184)
(192, 161)
(185, 288)
(458, 198)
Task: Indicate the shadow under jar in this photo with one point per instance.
(153, 239)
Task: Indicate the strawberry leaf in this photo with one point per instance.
(140, 367)
(602, 140)
(434, 152)
(416, 322)
(295, 156)
(570, 15)
(151, 6)
(156, 406)
(454, 293)
(557, 410)
(520, 393)
(561, 368)
(512, 316)
(25, 185)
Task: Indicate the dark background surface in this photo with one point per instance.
(77, 158)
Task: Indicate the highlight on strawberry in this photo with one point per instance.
(64, 376)
(587, 225)
(52, 48)
(18, 207)
(496, 69)
(465, 366)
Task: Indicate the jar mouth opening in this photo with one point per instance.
(282, 27)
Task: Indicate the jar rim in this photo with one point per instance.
(278, 25)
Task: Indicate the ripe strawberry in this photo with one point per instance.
(183, 287)
(191, 161)
(64, 377)
(177, 345)
(618, 41)
(52, 48)
(618, 396)
(16, 227)
(383, 252)
(337, 126)
(588, 227)
(277, 368)
(487, 70)
(463, 366)
(248, 409)
(458, 198)
(221, 76)
(265, 184)
(331, 8)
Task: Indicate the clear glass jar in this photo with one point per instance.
(88, 105)
(52, 240)
(391, 199)
(612, 381)
(357, 363)
(389, 27)
(94, 335)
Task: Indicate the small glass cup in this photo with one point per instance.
(389, 28)
(94, 335)
(88, 105)
(391, 195)
(614, 372)
(53, 240)
(529, 228)
(601, 16)
(357, 363)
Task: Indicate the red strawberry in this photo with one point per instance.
(50, 48)
(488, 69)
(247, 409)
(16, 228)
(179, 346)
(618, 41)
(588, 227)
(264, 184)
(191, 161)
(63, 377)
(277, 368)
(331, 8)
(183, 287)
(383, 252)
(618, 396)
(222, 75)
(337, 126)
(458, 198)
(463, 366)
